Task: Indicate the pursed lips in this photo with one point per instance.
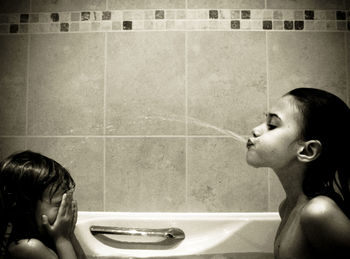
(249, 143)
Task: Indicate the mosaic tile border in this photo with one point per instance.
(180, 19)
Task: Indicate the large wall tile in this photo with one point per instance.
(305, 4)
(312, 59)
(66, 84)
(145, 174)
(10, 145)
(226, 80)
(146, 4)
(68, 5)
(226, 4)
(13, 6)
(145, 83)
(220, 180)
(13, 78)
(83, 157)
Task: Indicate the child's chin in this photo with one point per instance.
(252, 162)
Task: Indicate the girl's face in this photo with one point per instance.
(48, 207)
(275, 142)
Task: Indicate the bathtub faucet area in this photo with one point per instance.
(169, 233)
(179, 235)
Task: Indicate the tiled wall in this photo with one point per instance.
(104, 87)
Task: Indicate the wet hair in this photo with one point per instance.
(326, 118)
(24, 177)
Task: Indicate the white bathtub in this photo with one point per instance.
(206, 235)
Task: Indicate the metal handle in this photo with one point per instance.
(167, 233)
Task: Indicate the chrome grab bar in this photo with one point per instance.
(167, 233)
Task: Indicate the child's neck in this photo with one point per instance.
(291, 179)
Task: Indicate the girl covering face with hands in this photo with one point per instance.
(305, 141)
(38, 213)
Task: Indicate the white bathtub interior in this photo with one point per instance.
(206, 234)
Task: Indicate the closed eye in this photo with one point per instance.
(271, 127)
(272, 121)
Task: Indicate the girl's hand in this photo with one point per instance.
(64, 224)
(75, 214)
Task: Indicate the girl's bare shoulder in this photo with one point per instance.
(322, 208)
(326, 226)
(30, 248)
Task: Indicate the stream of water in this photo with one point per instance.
(191, 120)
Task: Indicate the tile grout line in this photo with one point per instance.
(186, 114)
(27, 91)
(104, 119)
(268, 107)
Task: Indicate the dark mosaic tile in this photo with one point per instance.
(213, 14)
(14, 28)
(64, 27)
(159, 14)
(288, 25)
(341, 15)
(235, 24)
(127, 25)
(267, 25)
(24, 18)
(309, 15)
(299, 25)
(106, 15)
(348, 15)
(85, 16)
(55, 17)
(245, 14)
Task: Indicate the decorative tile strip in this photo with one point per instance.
(176, 20)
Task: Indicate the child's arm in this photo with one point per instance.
(326, 227)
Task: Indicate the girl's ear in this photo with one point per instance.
(309, 151)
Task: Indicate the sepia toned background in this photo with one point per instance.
(113, 98)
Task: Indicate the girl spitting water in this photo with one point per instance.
(305, 141)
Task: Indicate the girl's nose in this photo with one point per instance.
(257, 131)
(254, 132)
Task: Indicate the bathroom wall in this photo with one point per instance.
(111, 88)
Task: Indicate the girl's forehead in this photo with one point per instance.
(286, 108)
